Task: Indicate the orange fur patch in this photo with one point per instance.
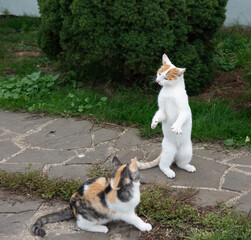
(164, 68)
(95, 188)
(133, 166)
(112, 196)
(171, 74)
(116, 180)
(91, 195)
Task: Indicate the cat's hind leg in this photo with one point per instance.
(89, 226)
(167, 157)
(184, 157)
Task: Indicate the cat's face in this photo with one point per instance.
(124, 174)
(168, 74)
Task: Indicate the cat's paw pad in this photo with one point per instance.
(146, 227)
(154, 124)
(176, 130)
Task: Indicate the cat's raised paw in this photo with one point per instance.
(176, 130)
(154, 124)
(146, 227)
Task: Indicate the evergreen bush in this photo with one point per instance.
(129, 37)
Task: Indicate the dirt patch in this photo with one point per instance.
(27, 54)
(226, 85)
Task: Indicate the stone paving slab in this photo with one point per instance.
(21, 168)
(68, 172)
(235, 181)
(66, 147)
(63, 134)
(41, 156)
(87, 156)
(212, 198)
(20, 122)
(244, 202)
(8, 148)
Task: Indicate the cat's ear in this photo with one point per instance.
(133, 166)
(165, 60)
(116, 162)
(181, 71)
(116, 179)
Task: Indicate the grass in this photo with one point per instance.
(33, 183)
(233, 48)
(214, 120)
(170, 211)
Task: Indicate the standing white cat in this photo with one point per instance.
(175, 114)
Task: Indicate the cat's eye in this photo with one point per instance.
(165, 78)
(159, 73)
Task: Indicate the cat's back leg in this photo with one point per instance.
(89, 226)
(184, 157)
(167, 158)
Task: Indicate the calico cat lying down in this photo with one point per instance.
(102, 200)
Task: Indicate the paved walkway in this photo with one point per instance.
(66, 147)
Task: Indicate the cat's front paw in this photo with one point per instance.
(103, 229)
(154, 124)
(146, 227)
(176, 129)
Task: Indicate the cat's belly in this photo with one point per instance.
(168, 133)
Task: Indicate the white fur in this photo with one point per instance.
(91, 226)
(125, 211)
(175, 114)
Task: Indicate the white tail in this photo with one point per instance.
(151, 164)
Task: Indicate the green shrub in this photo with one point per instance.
(129, 37)
(48, 37)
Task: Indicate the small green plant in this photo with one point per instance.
(86, 104)
(232, 48)
(225, 62)
(31, 85)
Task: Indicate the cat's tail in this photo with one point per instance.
(146, 165)
(63, 215)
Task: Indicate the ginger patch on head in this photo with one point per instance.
(172, 74)
(164, 68)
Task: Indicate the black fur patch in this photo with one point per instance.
(125, 193)
(102, 195)
(89, 182)
(88, 212)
